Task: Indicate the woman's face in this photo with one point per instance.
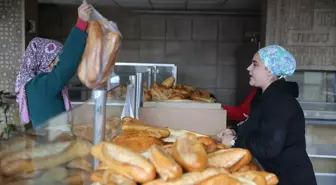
(260, 76)
(53, 63)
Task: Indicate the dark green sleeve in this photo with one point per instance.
(69, 59)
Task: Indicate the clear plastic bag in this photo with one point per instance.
(101, 50)
(129, 102)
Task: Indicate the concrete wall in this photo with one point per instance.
(201, 46)
(11, 46)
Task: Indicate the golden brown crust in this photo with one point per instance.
(157, 94)
(125, 161)
(271, 178)
(148, 96)
(232, 159)
(220, 179)
(209, 143)
(249, 167)
(89, 67)
(85, 130)
(44, 157)
(130, 120)
(190, 153)
(202, 96)
(51, 176)
(190, 178)
(80, 164)
(130, 134)
(169, 82)
(110, 177)
(138, 143)
(77, 179)
(140, 127)
(17, 144)
(111, 44)
(207, 140)
(165, 165)
(253, 176)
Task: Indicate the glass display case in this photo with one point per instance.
(151, 73)
(317, 94)
(59, 152)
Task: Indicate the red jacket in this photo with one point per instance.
(236, 113)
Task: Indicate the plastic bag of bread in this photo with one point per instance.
(101, 50)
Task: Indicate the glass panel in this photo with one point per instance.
(55, 150)
(164, 72)
(315, 86)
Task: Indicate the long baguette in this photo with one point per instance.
(18, 144)
(80, 164)
(50, 177)
(126, 162)
(32, 161)
(232, 159)
(255, 177)
(89, 68)
(220, 179)
(110, 177)
(190, 153)
(165, 165)
(139, 127)
(41, 151)
(190, 178)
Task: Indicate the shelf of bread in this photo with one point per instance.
(167, 92)
(133, 152)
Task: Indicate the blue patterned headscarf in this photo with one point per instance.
(277, 60)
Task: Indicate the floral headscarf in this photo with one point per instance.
(277, 60)
(38, 56)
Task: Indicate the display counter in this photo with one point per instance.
(62, 152)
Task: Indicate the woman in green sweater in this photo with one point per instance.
(46, 69)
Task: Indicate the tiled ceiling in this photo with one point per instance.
(170, 4)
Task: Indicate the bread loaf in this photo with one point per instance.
(44, 157)
(99, 55)
(89, 68)
(51, 176)
(110, 177)
(190, 153)
(253, 176)
(232, 159)
(138, 143)
(17, 144)
(126, 162)
(190, 178)
(220, 179)
(163, 132)
(165, 165)
(80, 164)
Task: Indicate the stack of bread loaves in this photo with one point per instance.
(167, 91)
(24, 162)
(160, 156)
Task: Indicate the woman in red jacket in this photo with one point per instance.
(237, 113)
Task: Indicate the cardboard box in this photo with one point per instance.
(200, 120)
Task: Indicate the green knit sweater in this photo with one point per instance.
(44, 91)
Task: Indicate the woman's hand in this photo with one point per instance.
(85, 11)
(226, 132)
(227, 139)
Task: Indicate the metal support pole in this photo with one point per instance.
(133, 83)
(99, 97)
(138, 94)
